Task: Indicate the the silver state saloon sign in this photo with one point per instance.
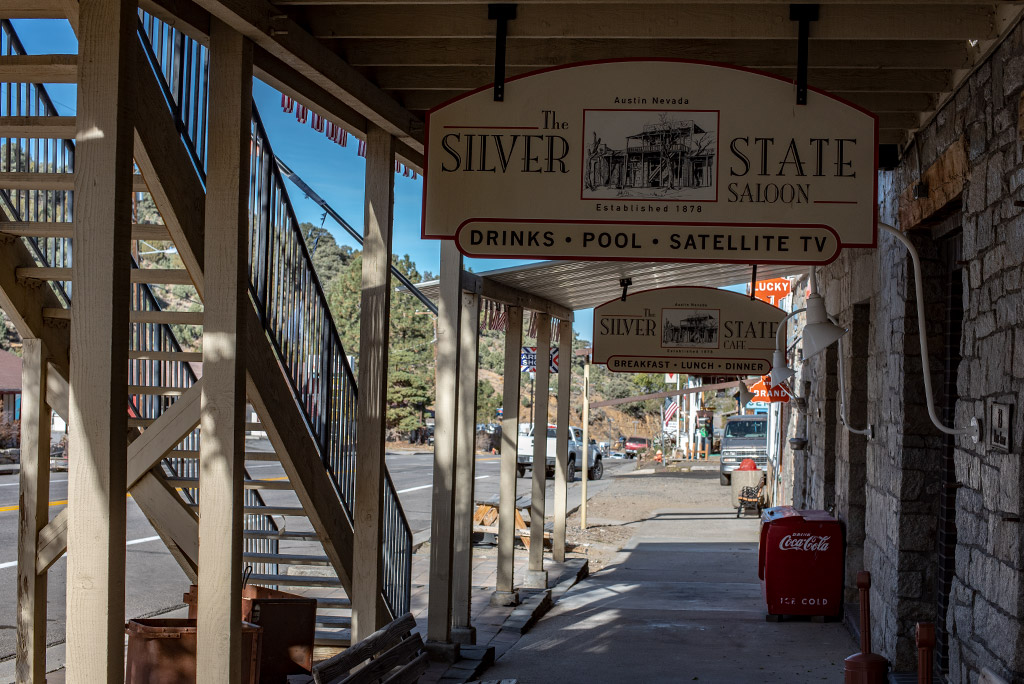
(651, 159)
(694, 330)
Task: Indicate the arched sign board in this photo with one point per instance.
(693, 330)
(651, 160)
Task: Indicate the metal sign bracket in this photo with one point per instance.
(804, 15)
(502, 12)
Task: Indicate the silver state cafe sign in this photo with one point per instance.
(693, 330)
(651, 160)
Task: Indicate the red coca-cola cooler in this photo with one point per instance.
(800, 562)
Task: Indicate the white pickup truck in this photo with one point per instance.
(524, 458)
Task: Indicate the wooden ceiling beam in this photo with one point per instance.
(636, 20)
(541, 52)
(849, 80)
(273, 32)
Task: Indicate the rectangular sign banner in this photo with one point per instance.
(667, 160)
(528, 360)
(694, 330)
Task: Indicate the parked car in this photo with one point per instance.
(744, 437)
(525, 454)
(635, 445)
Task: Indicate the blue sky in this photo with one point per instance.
(336, 173)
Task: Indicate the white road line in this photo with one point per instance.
(130, 542)
(425, 486)
(15, 484)
(413, 489)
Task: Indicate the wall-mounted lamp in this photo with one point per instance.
(746, 396)
(974, 429)
(819, 332)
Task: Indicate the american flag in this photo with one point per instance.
(670, 410)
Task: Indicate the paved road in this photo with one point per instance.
(155, 582)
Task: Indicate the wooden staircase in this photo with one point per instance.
(298, 531)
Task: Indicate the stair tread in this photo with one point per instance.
(296, 559)
(296, 580)
(334, 620)
(254, 534)
(341, 637)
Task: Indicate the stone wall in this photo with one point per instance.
(887, 490)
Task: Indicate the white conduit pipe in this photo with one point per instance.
(974, 429)
(869, 431)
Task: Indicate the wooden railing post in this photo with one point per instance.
(562, 453)
(925, 649)
(99, 342)
(465, 469)
(536, 576)
(222, 413)
(32, 514)
(505, 593)
(374, 320)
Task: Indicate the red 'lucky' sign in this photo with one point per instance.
(772, 291)
(764, 391)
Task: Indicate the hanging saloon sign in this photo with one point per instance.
(694, 330)
(651, 160)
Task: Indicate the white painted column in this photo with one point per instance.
(505, 593)
(98, 396)
(463, 631)
(586, 440)
(439, 614)
(536, 576)
(374, 328)
(562, 457)
(222, 412)
(33, 512)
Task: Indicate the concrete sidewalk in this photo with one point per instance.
(680, 602)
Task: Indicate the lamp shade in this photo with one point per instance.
(819, 332)
(746, 396)
(780, 371)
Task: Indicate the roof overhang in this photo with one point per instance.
(577, 285)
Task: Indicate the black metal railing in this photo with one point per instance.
(287, 294)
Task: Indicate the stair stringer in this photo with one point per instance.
(272, 398)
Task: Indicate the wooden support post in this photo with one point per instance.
(439, 613)
(222, 412)
(537, 577)
(463, 631)
(98, 392)
(562, 441)
(32, 514)
(504, 593)
(374, 328)
(586, 440)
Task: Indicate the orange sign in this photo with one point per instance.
(764, 391)
(771, 291)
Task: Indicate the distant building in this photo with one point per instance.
(10, 386)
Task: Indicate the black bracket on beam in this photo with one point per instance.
(624, 283)
(753, 281)
(502, 12)
(804, 14)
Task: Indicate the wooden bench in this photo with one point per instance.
(392, 655)
(485, 519)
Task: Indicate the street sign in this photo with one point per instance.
(772, 291)
(528, 360)
(763, 391)
(651, 159)
(695, 330)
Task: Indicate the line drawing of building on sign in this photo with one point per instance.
(690, 328)
(667, 155)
